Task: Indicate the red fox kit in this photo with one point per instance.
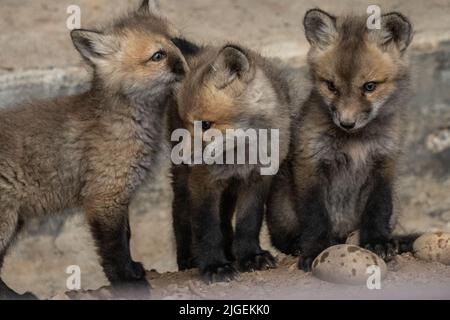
(341, 173)
(93, 150)
(227, 88)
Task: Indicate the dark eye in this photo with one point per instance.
(331, 86)
(158, 56)
(206, 125)
(370, 87)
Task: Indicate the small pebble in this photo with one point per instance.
(353, 238)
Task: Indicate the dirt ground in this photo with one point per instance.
(407, 278)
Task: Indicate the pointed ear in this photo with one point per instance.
(320, 28)
(93, 45)
(150, 6)
(397, 29)
(231, 64)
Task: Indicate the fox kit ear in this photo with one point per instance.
(150, 6)
(92, 45)
(320, 28)
(396, 28)
(232, 63)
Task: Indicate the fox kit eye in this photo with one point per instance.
(370, 87)
(331, 86)
(206, 125)
(158, 56)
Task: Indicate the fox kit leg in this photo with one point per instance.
(376, 224)
(208, 240)
(8, 226)
(9, 218)
(181, 215)
(315, 234)
(108, 221)
(313, 217)
(227, 208)
(282, 220)
(249, 216)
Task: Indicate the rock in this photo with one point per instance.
(433, 247)
(25, 85)
(347, 264)
(439, 141)
(353, 238)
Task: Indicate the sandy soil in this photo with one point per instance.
(408, 278)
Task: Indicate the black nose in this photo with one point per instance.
(348, 125)
(178, 68)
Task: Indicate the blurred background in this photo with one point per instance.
(37, 60)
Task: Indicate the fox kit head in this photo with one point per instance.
(357, 70)
(228, 88)
(136, 55)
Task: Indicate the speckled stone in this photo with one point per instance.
(347, 264)
(433, 247)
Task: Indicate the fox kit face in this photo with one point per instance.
(356, 70)
(212, 92)
(227, 89)
(135, 55)
(231, 92)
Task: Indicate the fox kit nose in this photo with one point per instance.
(348, 125)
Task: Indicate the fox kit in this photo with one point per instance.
(227, 88)
(93, 150)
(341, 174)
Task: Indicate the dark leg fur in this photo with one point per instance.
(315, 232)
(297, 217)
(111, 232)
(208, 239)
(182, 218)
(404, 244)
(250, 212)
(227, 208)
(376, 233)
(282, 221)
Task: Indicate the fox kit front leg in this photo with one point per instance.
(109, 224)
(208, 240)
(376, 224)
(181, 215)
(315, 226)
(9, 221)
(249, 216)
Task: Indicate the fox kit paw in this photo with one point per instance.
(186, 264)
(305, 263)
(134, 271)
(219, 273)
(385, 251)
(260, 261)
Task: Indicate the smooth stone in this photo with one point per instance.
(347, 264)
(433, 247)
